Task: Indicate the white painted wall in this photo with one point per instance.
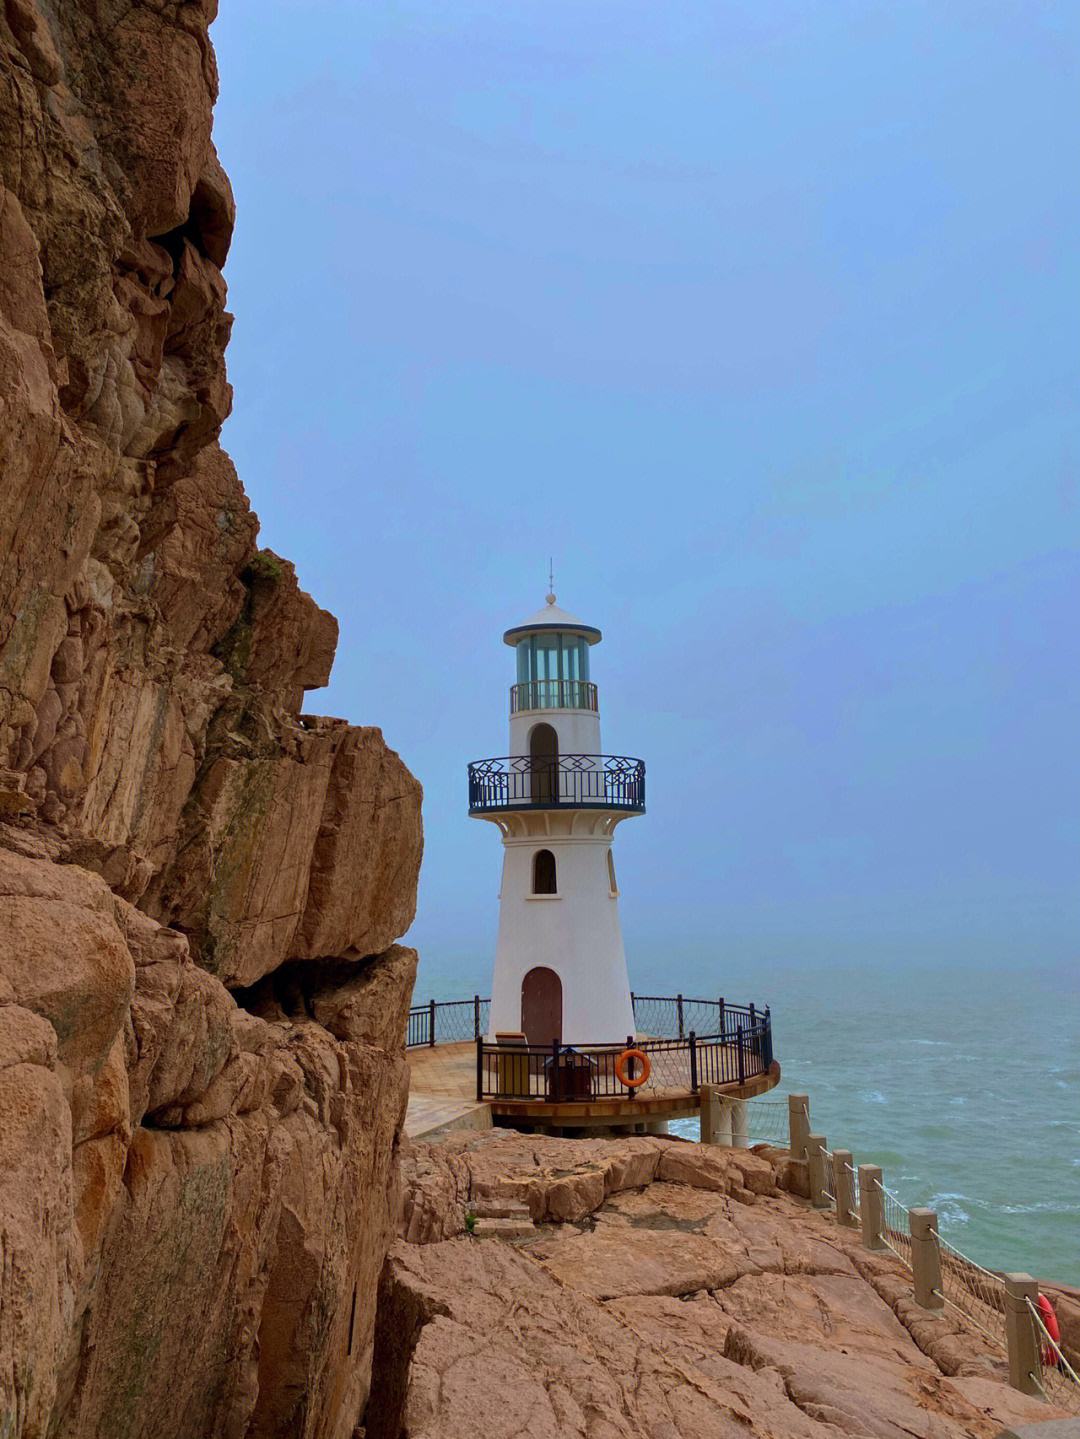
(576, 933)
(578, 730)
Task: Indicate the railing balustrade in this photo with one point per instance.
(558, 1072)
(736, 1046)
(452, 1021)
(553, 694)
(578, 781)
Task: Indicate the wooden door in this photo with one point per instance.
(541, 1006)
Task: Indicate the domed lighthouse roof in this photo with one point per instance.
(552, 617)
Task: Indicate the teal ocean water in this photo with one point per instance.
(963, 1084)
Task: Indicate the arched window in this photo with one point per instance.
(611, 872)
(544, 872)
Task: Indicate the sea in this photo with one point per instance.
(962, 1083)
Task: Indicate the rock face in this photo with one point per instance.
(669, 1290)
(201, 1001)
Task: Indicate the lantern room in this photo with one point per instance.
(552, 650)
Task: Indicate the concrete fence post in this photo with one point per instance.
(815, 1168)
(843, 1186)
(1020, 1333)
(798, 1123)
(925, 1258)
(715, 1117)
(871, 1206)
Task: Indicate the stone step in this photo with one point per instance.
(500, 1209)
(503, 1229)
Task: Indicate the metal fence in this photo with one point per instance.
(676, 1016)
(577, 781)
(553, 694)
(728, 1032)
(452, 1021)
(558, 1072)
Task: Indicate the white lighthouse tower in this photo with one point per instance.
(560, 970)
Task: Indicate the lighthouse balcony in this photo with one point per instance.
(568, 781)
(553, 695)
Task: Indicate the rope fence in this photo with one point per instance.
(1007, 1310)
(766, 1121)
(853, 1214)
(895, 1231)
(829, 1159)
(975, 1293)
(1056, 1380)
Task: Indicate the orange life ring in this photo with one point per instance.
(1052, 1327)
(624, 1059)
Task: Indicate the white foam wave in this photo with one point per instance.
(1044, 1206)
(950, 1209)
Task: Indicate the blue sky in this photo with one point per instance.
(762, 318)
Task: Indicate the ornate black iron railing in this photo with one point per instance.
(448, 1022)
(553, 694)
(576, 781)
(737, 1046)
(557, 1073)
(676, 1016)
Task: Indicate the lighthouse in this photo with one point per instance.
(557, 799)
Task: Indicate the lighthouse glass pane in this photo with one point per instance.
(547, 657)
(554, 667)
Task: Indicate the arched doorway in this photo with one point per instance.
(544, 756)
(541, 1006)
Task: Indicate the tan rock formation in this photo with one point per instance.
(201, 1004)
(196, 1199)
(693, 1298)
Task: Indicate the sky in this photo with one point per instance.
(760, 317)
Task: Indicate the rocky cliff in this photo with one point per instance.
(201, 1001)
(654, 1287)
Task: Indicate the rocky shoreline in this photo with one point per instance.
(657, 1287)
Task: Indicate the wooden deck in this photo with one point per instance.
(444, 1083)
